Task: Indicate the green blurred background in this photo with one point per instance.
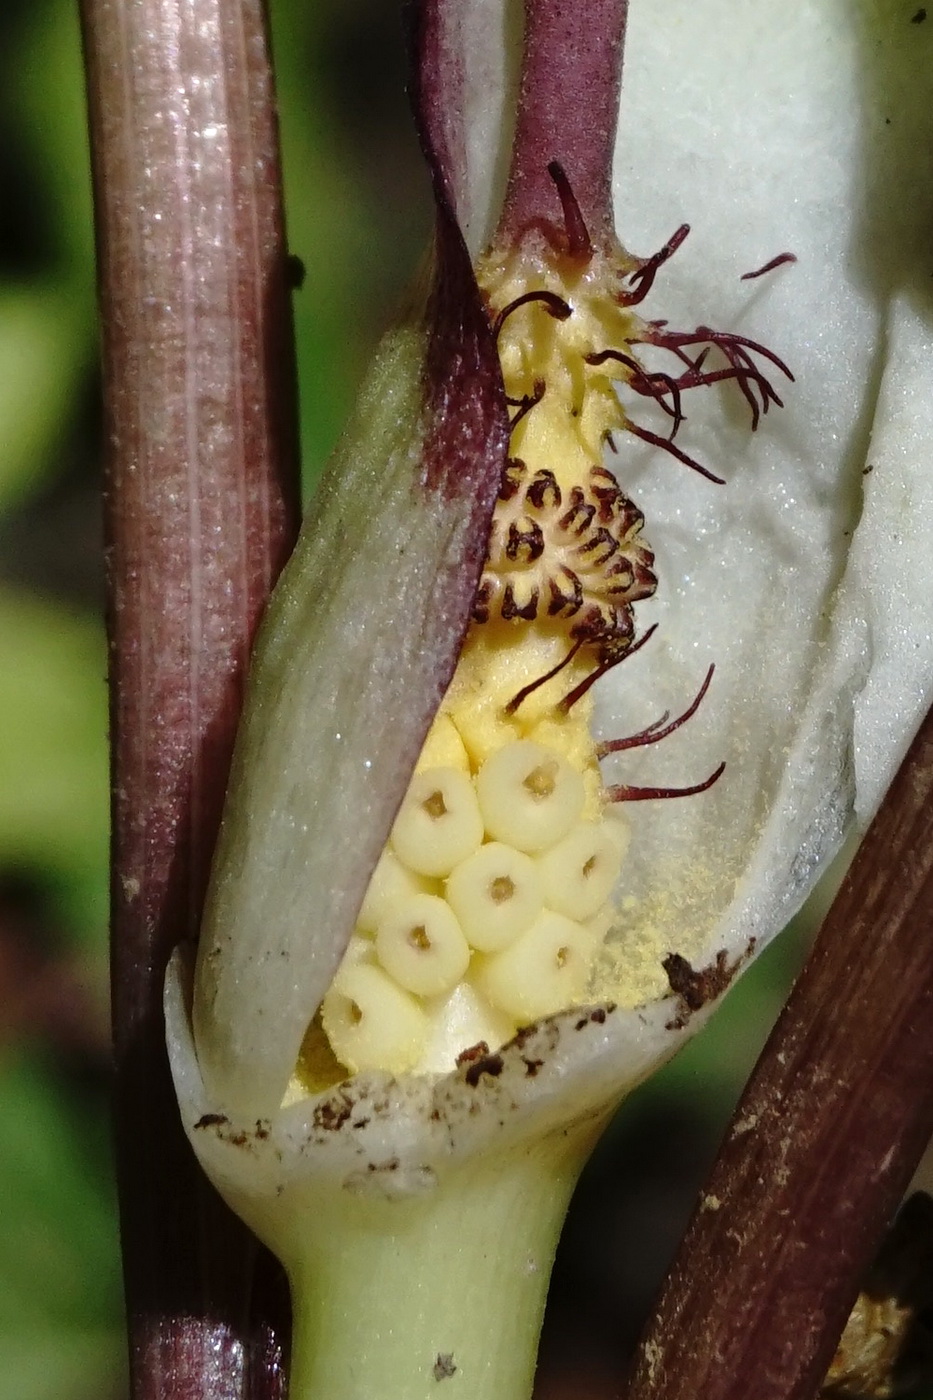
(358, 217)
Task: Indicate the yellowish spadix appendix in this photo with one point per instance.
(491, 901)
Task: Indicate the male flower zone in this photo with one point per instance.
(573, 685)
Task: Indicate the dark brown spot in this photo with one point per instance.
(211, 1120)
(434, 805)
(294, 272)
(330, 1117)
(697, 988)
(444, 1366)
(473, 1052)
(492, 1065)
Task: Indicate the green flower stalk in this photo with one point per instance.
(472, 884)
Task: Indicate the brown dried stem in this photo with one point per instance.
(201, 487)
(824, 1141)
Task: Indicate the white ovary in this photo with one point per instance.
(578, 874)
(422, 946)
(510, 935)
(460, 1020)
(371, 1022)
(543, 971)
(496, 893)
(529, 796)
(391, 883)
(439, 822)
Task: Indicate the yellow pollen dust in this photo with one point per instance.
(491, 902)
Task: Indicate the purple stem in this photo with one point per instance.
(824, 1141)
(201, 508)
(568, 110)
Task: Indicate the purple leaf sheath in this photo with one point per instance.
(824, 1141)
(201, 508)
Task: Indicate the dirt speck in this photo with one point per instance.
(444, 1366)
(211, 1120)
(696, 988)
(330, 1117)
(492, 1065)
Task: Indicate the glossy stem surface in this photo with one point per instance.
(201, 508)
(824, 1141)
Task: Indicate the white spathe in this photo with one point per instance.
(808, 579)
(806, 128)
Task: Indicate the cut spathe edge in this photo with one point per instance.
(396, 1136)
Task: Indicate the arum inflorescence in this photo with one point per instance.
(490, 907)
(440, 942)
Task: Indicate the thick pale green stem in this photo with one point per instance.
(436, 1297)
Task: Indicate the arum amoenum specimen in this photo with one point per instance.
(408, 1152)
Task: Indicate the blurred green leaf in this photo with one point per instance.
(43, 354)
(53, 763)
(60, 1310)
(358, 247)
(45, 86)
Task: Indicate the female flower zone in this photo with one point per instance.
(572, 685)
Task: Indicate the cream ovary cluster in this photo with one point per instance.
(484, 913)
(490, 904)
